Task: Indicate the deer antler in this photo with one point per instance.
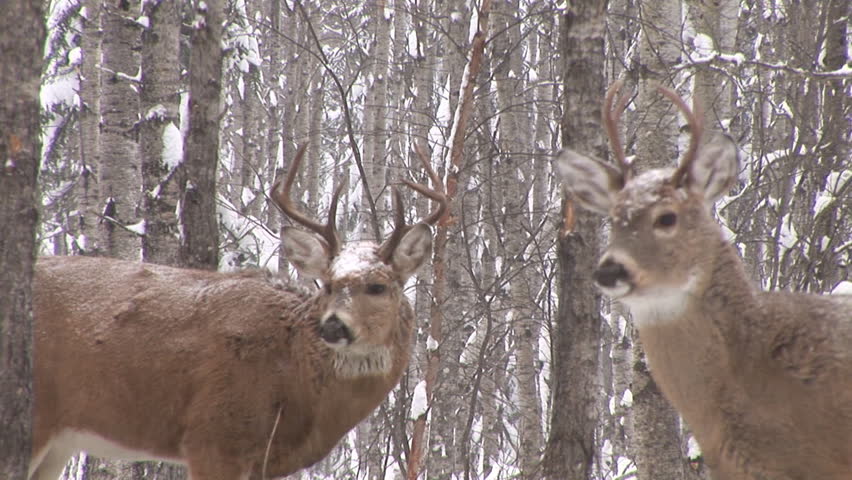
(611, 125)
(438, 196)
(696, 129)
(281, 196)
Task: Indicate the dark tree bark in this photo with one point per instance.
(571, 447)
(21, 41)
(200, 240)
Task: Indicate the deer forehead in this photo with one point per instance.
(357, 260)
(645, 191)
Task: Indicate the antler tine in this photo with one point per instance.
(696, 129)
(437, 195)
(281, 196)
(400, 227)
(611, 125)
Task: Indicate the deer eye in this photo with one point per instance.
(666, 220)
(376, 289)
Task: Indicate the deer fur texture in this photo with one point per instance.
(235, 375)
(764, 379)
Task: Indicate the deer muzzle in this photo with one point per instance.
(333, 330)
(612, 277)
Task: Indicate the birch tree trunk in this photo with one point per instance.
(22, 34)
(571, 446)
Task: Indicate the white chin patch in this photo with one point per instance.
(657, 306)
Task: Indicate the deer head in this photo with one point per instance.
(363, 280)
(661, 223)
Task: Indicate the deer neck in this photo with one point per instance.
(696, 346)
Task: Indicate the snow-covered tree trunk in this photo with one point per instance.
(160, 138)
(22, 43)
(89, 129)
(119, 181)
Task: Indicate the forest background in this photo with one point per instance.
(163, 124)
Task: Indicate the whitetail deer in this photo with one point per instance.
(229, 374)
(764, 379)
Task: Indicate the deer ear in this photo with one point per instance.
(715, 168)
(412, 251)
(592, 182)
(309, 253)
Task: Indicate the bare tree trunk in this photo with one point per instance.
(159, 133)
(571, 447)
(119, 181)
(89, 130)
(200, 236)
(21, 41)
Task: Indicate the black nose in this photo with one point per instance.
(333, 330)
(609, 272)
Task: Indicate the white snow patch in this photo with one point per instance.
(137, 228)
(184, 114)
(60, 91)
(355, 258)
(703, 44)
(172, 146)
(693, 450)
(431, 344)
(419, 402)
(157, 112)
(843, 288)
(627, 399)
(75, 56)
